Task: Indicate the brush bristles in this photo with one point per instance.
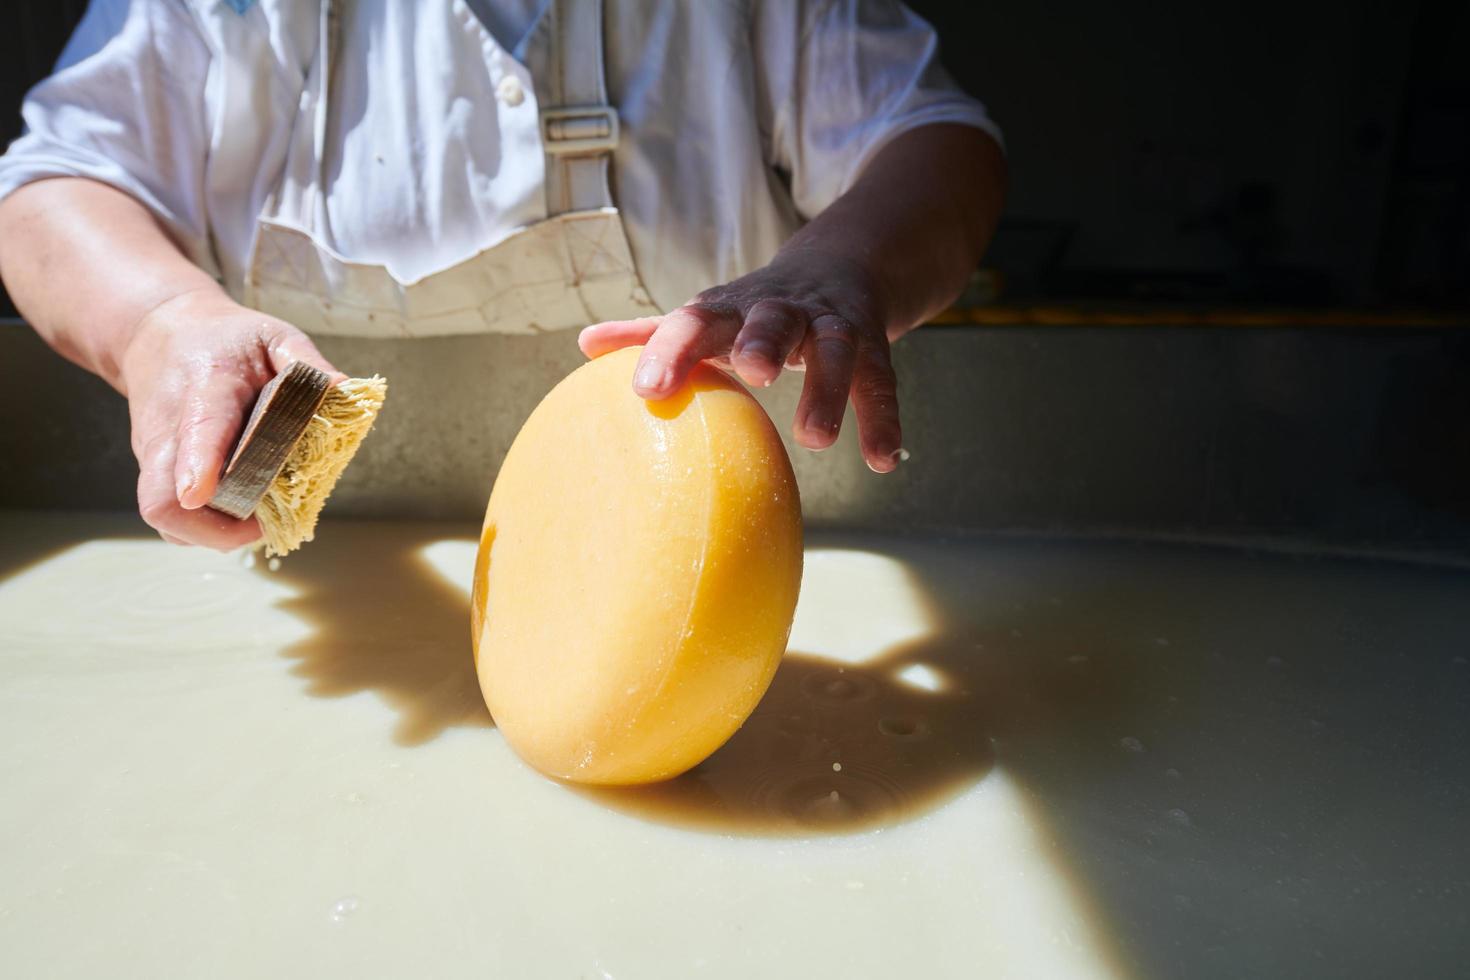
(288, 512)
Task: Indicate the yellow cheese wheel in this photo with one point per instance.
(637, 574)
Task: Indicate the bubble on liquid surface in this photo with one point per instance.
(343, 908)
(838, 687)
(1178, 817)
(1172, 773)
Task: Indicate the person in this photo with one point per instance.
(768, 184)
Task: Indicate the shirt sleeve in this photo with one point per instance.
(844, 77)
(126, 106)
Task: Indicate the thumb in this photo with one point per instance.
(286, 345)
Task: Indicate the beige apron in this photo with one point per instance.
(570, 270)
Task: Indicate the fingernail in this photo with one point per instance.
(818, 422)
(650, 377)
(886, 460)
(185, 484)
(758, 349)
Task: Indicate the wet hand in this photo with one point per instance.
(191, 372)
(807, 310)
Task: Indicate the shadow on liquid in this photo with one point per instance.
(833, 748)
(387, 622)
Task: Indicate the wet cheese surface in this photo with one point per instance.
(637, 575)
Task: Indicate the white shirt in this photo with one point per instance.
(740, 119)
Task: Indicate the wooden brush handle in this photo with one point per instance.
(281, 414)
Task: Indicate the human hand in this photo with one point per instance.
(808, 310)
(191, 371)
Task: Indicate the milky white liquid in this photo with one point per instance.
(980, 759)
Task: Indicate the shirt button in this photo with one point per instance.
(510, 92)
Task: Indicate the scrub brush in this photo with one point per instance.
(300, 436)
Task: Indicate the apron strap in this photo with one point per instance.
(329, 44)
(580, 130)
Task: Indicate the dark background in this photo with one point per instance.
(1247, 150)
(1255, 150)
(1251, 151)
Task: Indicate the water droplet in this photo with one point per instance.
(829, 807)
(1131, 744)
(247, 559)
(1172, 773)
(1179, 817)
(1183, 903)
(274, 564)
(343, 907)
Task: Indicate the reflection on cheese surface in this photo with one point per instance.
(1058, 760)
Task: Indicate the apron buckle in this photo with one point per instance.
(579, 130)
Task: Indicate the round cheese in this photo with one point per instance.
(637, 574)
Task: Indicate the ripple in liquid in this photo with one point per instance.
(837, 687)
(814, 794)
(152, 594)
(904, 727)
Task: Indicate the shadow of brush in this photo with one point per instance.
(386, 621)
